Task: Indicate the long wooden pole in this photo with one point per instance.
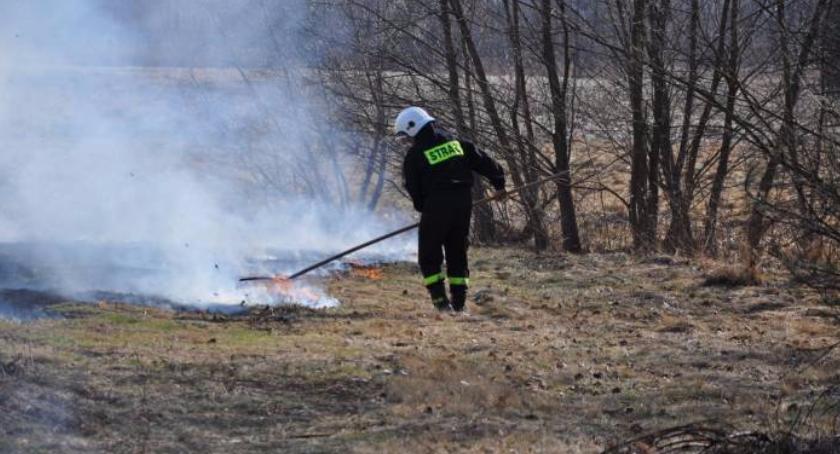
(394, 233)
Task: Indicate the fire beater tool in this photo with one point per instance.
(393, 234)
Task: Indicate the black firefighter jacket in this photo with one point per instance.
(438, 162)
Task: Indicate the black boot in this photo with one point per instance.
(459, 297)
(438, 293)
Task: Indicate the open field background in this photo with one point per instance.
(558, 354)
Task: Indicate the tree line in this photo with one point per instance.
(687, 126)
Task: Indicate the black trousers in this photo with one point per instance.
(445, 227)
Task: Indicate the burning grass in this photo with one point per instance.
(559, 354)
(372, 272)
(287, 290)
(284, 290)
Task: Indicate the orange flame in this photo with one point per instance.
(284, 288)
(366, 271)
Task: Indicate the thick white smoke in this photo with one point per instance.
(161, 147)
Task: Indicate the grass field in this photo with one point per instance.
(558, 354)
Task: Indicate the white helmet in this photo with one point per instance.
(411, 120)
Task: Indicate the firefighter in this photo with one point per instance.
(438, 175)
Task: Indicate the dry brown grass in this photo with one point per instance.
(563, 354)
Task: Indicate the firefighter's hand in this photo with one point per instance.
(499, 196)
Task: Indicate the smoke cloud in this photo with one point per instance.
(164, 147)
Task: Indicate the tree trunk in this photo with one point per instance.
(370, 168)
(380, 182)
(643, 238)
(453, 91)
(527, 156)
(484, 87)
(710, 227)
(484, 228)
(568, 219)
(680, 236)
(487, 96)
(699, 132)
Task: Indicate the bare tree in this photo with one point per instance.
(560, 135)
(793, 70)
(732, 81)
(642, 220)
(532, 210)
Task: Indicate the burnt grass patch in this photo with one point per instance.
(26, 304)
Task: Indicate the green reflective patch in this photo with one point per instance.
(435, 278)
(459, 280)
(443, 152)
